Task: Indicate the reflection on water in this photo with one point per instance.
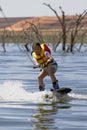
(45, 117)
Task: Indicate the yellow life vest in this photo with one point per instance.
(41, 59)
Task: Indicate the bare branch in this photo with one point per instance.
(54, 12)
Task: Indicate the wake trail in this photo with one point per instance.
(78, 96)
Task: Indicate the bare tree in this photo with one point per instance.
(77, 26)
(62, 22)
(3, 39)
(34, 29)
(82, 37)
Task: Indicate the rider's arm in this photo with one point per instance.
(35, 62)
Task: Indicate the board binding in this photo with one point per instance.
(63, 90)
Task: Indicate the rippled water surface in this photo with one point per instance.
(23, 107)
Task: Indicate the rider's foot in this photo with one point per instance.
(41, 88)
(55, 85)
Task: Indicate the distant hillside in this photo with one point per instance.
(5, 22)
(46, 22)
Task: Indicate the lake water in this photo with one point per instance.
(23, 107)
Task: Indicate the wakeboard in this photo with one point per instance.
(63, 90)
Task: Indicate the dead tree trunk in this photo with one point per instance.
(77, 27)
(64, 31)
(3, 40)
(62, 23)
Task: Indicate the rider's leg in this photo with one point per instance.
(41, 76)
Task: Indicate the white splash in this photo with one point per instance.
(14, 91)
